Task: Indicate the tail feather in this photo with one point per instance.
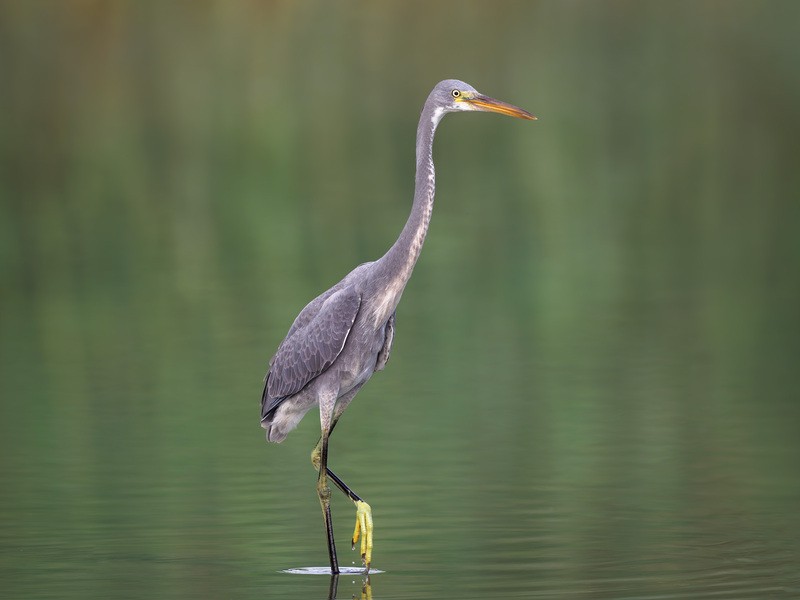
(274, 434)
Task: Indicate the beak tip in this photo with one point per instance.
(486, 103)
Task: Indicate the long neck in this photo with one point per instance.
(396, 265)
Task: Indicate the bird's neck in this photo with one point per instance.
(396, 265)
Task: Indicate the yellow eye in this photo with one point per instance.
(456, 93)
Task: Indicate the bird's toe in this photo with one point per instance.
(363, 531)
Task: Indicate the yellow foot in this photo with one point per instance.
(364, 531)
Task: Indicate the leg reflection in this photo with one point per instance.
(366, 588)
(333, 586)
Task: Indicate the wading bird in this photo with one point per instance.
(345, 334)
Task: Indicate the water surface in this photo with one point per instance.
(593, 389)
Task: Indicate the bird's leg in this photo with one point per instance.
(363, 529)
(316, 455)
(324, 493)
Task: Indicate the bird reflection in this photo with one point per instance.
(366, 588)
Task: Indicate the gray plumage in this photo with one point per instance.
(344, 335)
(344, 329)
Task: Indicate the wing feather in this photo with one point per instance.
(312, 345)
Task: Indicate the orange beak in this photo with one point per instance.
(491, 105)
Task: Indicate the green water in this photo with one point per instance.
(593, 391)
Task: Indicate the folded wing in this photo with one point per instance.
(311, 346)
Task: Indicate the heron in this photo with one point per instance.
(345, 335)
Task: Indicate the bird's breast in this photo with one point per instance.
(384, 302)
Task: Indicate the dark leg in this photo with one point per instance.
(363, 529)
(324, 493)
(343, 486)
(316, 460)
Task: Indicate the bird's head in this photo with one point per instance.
(452, 95)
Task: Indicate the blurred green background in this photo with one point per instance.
(594, 386)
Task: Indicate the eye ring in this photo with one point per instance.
(456, 93)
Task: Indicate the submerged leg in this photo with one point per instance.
(363, 529)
